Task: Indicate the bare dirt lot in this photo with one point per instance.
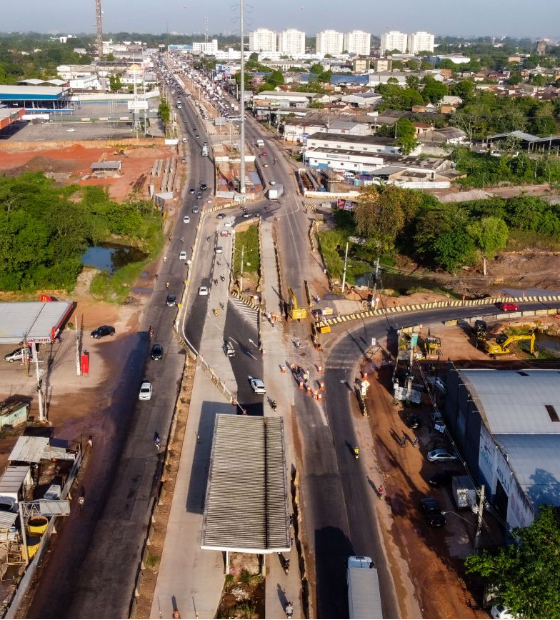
(72, 165)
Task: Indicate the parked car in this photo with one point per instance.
(272, 182)
(145, 391)
(229, 349)
(17, 355)
(507, 306)
(171, 300)
(440, 479)
(440, 455)
(219, 249)
(257, 385)
(501, 612)
(432, 510)
(221, 216)
(203, 290)
(102, 331)
(412, 421)
(157, 352)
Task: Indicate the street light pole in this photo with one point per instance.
(479, 522)
(242, 99)
(345, 266)
(242, 265)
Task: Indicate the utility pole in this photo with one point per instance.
(373, 302)
(242, 265)
(479, 522)
(242, 99)
(99, 28)
(78, 348)
(345, 266)
(39, 375)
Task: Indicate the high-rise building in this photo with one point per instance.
(357, 42)
(541, 48)
(420, 42)
(262, 40)
(291, 42)
(206, 47)
(330, 42)
(393, 40)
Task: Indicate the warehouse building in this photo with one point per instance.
(506, 424)
(34, 98)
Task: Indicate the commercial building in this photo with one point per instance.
(205, 47)
(79, 77)
(393, 40)
(9, 116)
(262, 40)
(357, 42)
(32, 321)
(330, 42)
(506, 424)
(291, 42)
(34, 98)
(420, 42)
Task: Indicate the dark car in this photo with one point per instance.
(412, 421)
(221, 216)
(192, 190)
(432, 510)
(199, 194)
(171, 300)
(203, 187)
(157, 352)
(102, 331)
(440, 479)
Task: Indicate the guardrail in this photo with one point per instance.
(488, 301)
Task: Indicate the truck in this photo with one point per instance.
(275, 192)
(260, 143)
(204, 150)
(364, 597)
(463, 491)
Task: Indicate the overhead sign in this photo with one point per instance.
(137, 105)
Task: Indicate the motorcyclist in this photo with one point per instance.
(357, 452)
(82, 498)
(157, 441)
(274, 405)
(151, 331)
(289, 609)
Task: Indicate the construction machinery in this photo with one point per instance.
(432, 346)
(479, 332)
(295, 311)
(499, 346)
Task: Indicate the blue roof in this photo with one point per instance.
(350, 79)
(31, 93)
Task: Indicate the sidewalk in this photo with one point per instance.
(279, 587)
(189, 578)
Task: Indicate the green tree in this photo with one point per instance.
(433, 90)
(316, 105)
(426, 66)
(463, 89)
(115, 82)
(254, 57)
(490, 235)
(413, 81)
(526, 575)
(383, 212)
(538, 80)
(276, 78)
(412, 64)
(317, 68)
(164, 112)
(325, 77)
(405, 136)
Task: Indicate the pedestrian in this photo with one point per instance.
(415, 442)
(90, 442)
(403, 441)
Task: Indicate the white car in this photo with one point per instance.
(145, 391)
(186, 219)
(272, 182)
(441, 455)
(228, 224)
(183, 255)
(265, 165)
(257, 385)
(219, 249)
(203, 290)
(501, 612)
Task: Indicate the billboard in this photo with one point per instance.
(346, 205)
(137, 105)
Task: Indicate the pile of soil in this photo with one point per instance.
(41, 163)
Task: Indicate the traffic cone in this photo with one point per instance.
(315, 394)
(301, 384)
(321, 385)
(319, 369)
(283, 369)
(308, 388)
(319, 396)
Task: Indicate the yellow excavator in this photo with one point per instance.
(295, 311)
(500, 346)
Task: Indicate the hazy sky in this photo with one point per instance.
(537, 18)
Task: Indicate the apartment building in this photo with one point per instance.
(357, 42)
(262, 40)
(330, 42)
(393, 40)
(291, 42)
(420, 42)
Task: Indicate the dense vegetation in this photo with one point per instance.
(526, 575)
(390, 219)
(45, 228)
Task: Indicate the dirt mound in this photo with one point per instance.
(144, 151)
(41, 163)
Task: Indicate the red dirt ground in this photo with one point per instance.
(72, 164)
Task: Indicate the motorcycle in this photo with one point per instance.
(151, 332)
(274, 405)
(289, 609)
(157, 441)
(356, 453)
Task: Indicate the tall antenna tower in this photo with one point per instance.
(99, 25)
(206, 30)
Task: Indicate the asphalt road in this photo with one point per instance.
(97, 550)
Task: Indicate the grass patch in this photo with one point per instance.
(151, 561)
(248, 240)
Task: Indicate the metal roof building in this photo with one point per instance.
(34, 97)
(246, 508)
(507, 425)
(32, 321)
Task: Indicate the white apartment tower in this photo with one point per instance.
(291, 42)
(420, 42)
(262, 40)
(330, 42)
(357, 42)
(393, 40)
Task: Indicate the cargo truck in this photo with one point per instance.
(463, 491)
(364, 597)
(260, 143)
(275, 192)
